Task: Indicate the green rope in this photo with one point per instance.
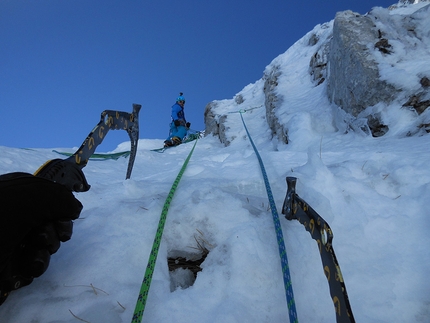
(99, 156)
(144, 289)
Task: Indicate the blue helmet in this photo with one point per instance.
(180, 97)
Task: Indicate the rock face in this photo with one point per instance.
(346, 62)
(354, 82)
(215, 124)
(271, 102)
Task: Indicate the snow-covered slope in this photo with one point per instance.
(372, 191)
(373, 69)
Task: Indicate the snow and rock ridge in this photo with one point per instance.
(372, 67)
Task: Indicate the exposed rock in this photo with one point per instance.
(417, 103)
(425, 82)
(239, 99)
(426, 127)
(353, 81)
(383, 46)
(271, 102)
(211, 125)
(313, 40)
(215, 125)
(346, 63)
(407, 1)
(318, 64)
(376, 127)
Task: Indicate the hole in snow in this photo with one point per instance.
(184, 266)
(183, 272)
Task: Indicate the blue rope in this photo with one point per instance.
(280, 237)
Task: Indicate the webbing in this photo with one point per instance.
(279, 235)
(144, 289)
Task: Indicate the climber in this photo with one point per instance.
(37, 215)
(179, 125)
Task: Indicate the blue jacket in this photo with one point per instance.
(178, 113)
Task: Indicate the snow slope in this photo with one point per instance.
(372, 191)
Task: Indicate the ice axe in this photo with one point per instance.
(68, 172)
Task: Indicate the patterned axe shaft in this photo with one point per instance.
(69, 171)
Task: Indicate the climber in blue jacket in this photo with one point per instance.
(179, 125)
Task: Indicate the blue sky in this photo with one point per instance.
(63, 62)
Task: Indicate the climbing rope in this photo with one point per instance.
(144, 289)
(246, 110)
(279, 235)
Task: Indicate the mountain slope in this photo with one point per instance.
(372, 191)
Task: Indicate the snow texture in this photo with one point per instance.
(372, 191)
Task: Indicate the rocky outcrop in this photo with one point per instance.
(354, 83)
(215, 124)
(319, 61)
(347, 64)
(272, 101)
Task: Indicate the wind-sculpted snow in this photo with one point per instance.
(372, 191)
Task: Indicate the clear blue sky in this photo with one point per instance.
(63, 62)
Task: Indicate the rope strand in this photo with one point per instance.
(146, 283)
(279, 235)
